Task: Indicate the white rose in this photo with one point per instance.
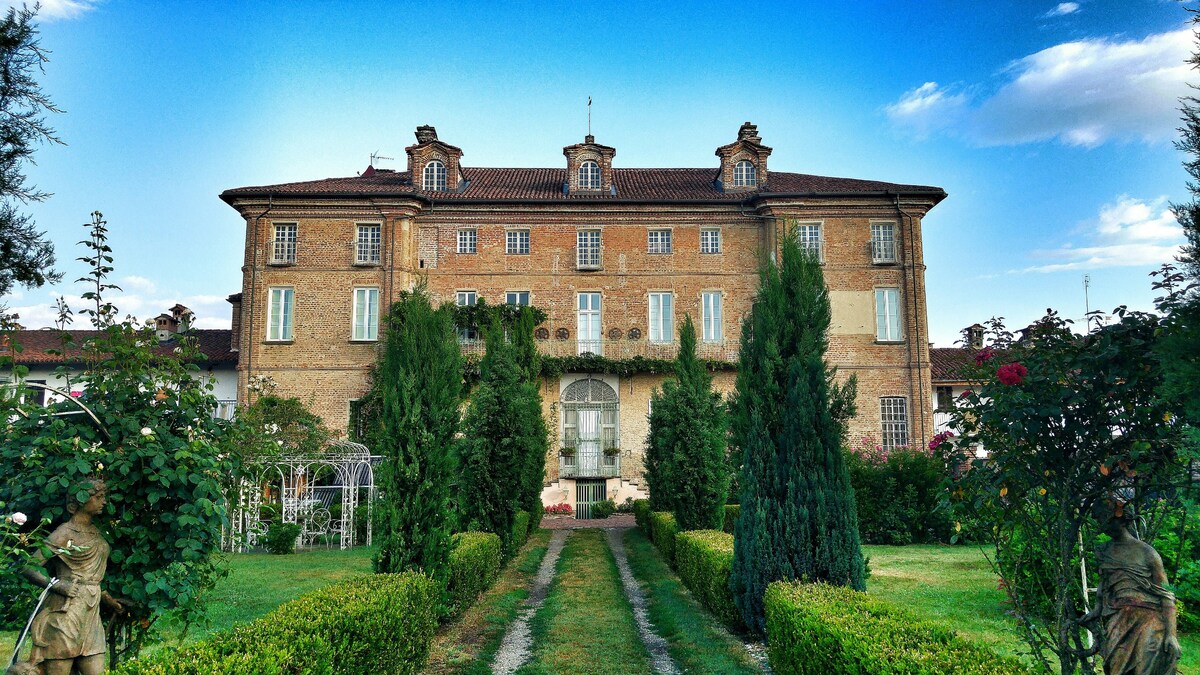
(19, 518)
(146, 431)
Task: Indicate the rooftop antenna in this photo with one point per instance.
(589, 116)
(1087, 306)
(375, 155)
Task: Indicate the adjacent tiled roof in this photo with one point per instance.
(547, 185)
(36, 344)
(947, 362)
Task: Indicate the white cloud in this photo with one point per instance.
(1081, 93)
(1062, 9)
(1126, 233)
(53, 10)
(212, 311)
(136, 283)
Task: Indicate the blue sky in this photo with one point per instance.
(1049, 124)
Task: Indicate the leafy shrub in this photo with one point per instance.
(535, 515)
(1187, 591)
(732, 512)
(380, 623)
(898, 494)
(475, 559)
(704, 559)
(663, 528)
(625, 506)
(520, 532)
(641, 515)
(559, 510)
(604, 509)
(831, 630)
(281, 538)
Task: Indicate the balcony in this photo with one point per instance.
(621, 349)
(597, 457)
(226, 407)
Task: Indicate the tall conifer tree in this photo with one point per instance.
(798, 518)
(419, 389)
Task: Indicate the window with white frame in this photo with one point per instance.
(283, 249)
(366, 314)
(808, 236)
(516, 242)
(710, 240)
(466, 299)
(434, 176)
(883, 242)
(887, 315)
(280, 306)
(712, 328)
(588, 324)
(662, 317)
(519, 298)
(467, 240)
(589, 176)
(744, 174)
(368, 244)
(587, 249)
(659, 241)
(893, 414)
(943, 398)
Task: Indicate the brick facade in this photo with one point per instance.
(323, 367)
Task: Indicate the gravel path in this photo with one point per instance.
(517, 642)
(660, 659)
(616, 520)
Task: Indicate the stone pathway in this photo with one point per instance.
(515, 647)
(616, 520)
(660, 658)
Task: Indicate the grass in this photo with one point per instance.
(955, 586)
(467, 646)
(696, 639)
(586, 625)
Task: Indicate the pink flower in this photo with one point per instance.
(984, 355)
(940, 438)
(19, 518)
(965, 394)
(1012, 373)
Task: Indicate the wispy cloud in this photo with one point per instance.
(1081, 93)
(1128, 232)
(57, 10)
(212, 311)
(1062, 9)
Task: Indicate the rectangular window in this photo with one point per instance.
(893, 412)
(662, 317)
(467, 241)
(466, 299)
(711, 313)
(368, 244)
(887, 315)
(659, 241)
(587, 249)
(516, 242)
(279, 313)
(944, 397)
(283, 249)
(366, 314)
(588, 324)
(519, 298)
(710, 240)
(355, 429)
(808, 236)
(883, 242)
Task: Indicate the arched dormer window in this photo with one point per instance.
(744, 174)
(434, 176)
(589, 176)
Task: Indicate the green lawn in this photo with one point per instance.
(955, 586)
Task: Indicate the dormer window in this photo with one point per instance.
(589, 176)
(744, 174)
(434, 177)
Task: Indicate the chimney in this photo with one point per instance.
(235, 332)
(975, 336)
(749, 132)
(426, 133)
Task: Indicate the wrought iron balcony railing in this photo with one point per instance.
(621, 348)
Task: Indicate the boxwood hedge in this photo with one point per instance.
(662, 532)
(381, 623)
(704, 560)
(520, 532)
(475, 559)
(732, 511)
(834, 630)
(641, 515)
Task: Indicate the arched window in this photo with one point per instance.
(744, 174)
(590, 415)
(434, 177)
(589, 176)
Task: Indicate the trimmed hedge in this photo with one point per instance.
(732, 512)
(382, 623)
(520, 532)
(641, 515)
(662, 532)
(704, 560)
(834, 630)
(475, 559)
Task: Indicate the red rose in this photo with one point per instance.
(983, 355)
(1012, 373)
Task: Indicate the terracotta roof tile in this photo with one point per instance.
(36, 344)
(547, 185)
(947, 363)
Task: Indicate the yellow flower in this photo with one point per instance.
(1042, 492)
(1004, 492)
(1167, 416)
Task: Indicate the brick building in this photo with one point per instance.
(615, 256)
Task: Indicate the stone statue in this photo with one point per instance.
(67, 634)
(1136, 612)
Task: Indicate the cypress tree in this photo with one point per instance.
(798, 517)
(418, 386)
(686, 468)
